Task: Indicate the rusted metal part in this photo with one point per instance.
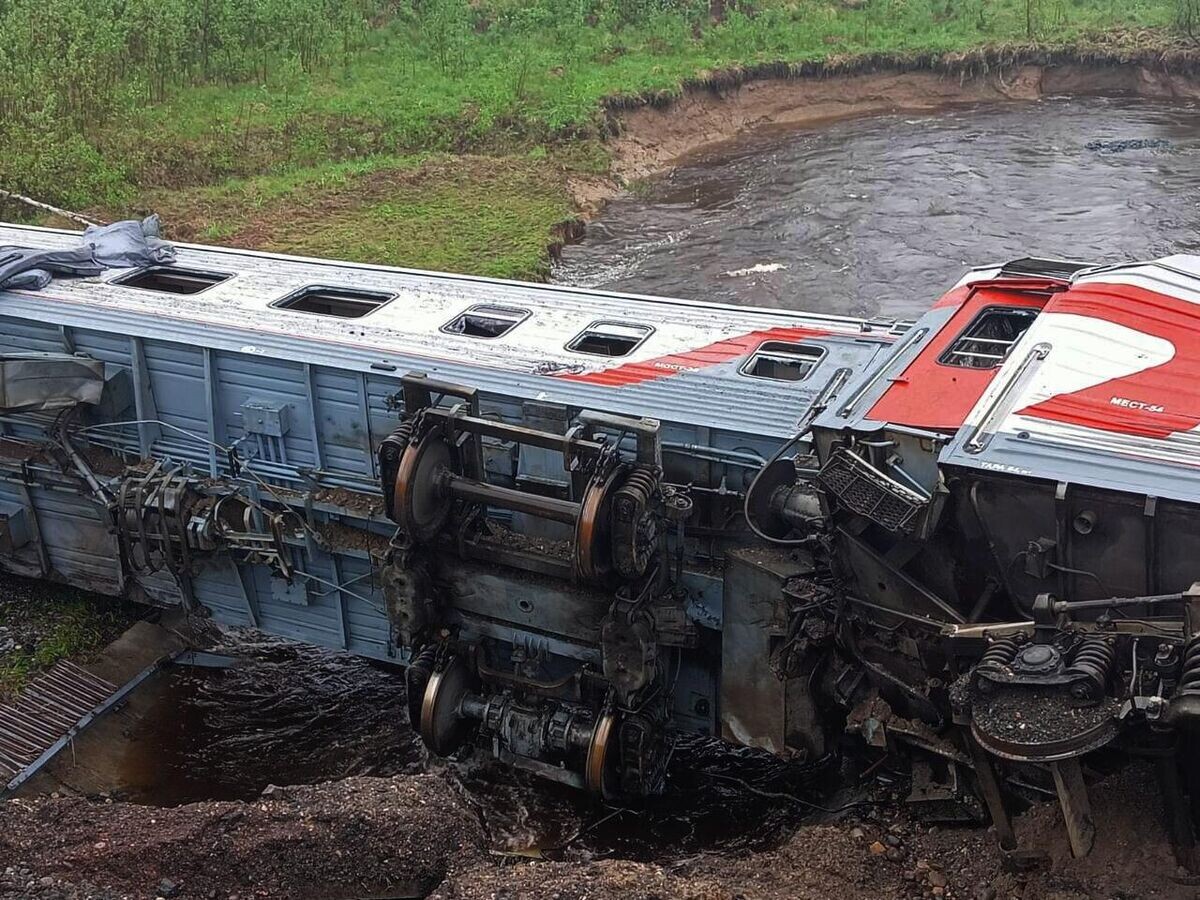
(597, 757)
(417, 504)
(591, 529)
(442, 727)
(879, 725)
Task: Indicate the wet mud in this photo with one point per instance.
(293, 714)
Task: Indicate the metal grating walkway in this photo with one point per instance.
(49, 711)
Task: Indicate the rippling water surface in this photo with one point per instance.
(879, 215)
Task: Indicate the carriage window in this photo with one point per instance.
(343, 303)
(985, 343)
(782, 361)
(610, 339)
(172, 279)
(486, 321)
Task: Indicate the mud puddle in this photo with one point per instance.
(283, 714)
(881, 215)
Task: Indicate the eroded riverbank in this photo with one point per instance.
(655, 136)
(507, 213)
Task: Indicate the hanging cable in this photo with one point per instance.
(820, 402)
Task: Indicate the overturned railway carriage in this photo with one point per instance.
(583, 520)
(1010, 502)
(529, 494)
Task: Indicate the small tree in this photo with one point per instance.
(444, 24)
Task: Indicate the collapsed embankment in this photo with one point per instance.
(653, 132)
(413, 836)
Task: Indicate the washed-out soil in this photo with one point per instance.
(653, 137)
(415, 836)
(359, 837)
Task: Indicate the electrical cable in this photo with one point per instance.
(783, 542)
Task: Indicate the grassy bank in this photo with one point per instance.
(426, 132)
(489, 215)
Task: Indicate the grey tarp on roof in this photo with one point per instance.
(120, 245)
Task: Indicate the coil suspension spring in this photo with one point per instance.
(631, 542)
(1189, 677)
(999, 655)
(641, 482)
(416, 676)
(1093, 661)
(397, 442)
(390, 451)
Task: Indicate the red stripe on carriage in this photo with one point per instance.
(1155, 402)
(931, 394)
(691, 360)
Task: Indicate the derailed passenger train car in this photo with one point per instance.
(583, 520)
(528, 494)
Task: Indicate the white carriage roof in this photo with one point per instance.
(1103, 388)
(684, 359)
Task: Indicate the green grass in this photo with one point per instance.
(488, 215)
(354, 156)
(514, 87)
(69, 629)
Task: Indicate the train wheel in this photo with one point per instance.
(601, 756)
(420, 509)
(443, 728)
(593, 528)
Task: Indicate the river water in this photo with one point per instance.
(870, 216)
(880, 215)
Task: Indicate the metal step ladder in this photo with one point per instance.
(53, 708)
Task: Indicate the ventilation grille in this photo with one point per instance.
(863, 489)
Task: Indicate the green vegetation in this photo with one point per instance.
(49, 623)
(116, 103)
(488, 215)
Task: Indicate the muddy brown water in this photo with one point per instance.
(871, 216)
(880, 215)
